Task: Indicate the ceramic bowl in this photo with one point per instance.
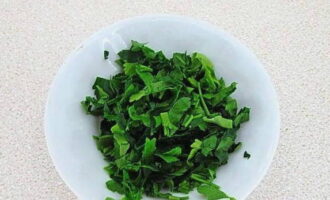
(69, 130)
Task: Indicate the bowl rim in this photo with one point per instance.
(199, 22)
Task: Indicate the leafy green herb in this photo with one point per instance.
(167, 124)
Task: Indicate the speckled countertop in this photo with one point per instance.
(291, 38)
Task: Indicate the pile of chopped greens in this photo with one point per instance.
(166, 124)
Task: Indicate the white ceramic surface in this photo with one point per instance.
(69, 131)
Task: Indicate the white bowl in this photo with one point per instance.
(69, 130)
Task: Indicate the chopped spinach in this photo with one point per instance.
(167, 124)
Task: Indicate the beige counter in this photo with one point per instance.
(291, 38)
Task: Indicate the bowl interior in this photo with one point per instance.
(69, 130)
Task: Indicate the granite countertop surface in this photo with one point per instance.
(290, 38)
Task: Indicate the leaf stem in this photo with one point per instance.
(202, 99)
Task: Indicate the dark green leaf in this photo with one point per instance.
(209, 145)
(106, 54)
(176, 151)
(168, 158)
(115, 187)
(145, 118)
(243, 116)
(180, 60)
(231, 107)
(247, 155)
(223, 93)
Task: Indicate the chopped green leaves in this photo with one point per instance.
(167, 124)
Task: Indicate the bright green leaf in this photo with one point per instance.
(149, 148)
(220, 121)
